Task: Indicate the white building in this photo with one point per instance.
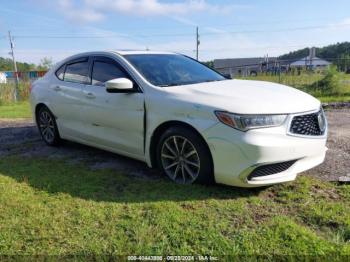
(314, 62)
(3, 79)
(311, 61)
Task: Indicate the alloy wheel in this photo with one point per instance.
(180, 160)
(47, 127)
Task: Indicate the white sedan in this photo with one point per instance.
(178, 115)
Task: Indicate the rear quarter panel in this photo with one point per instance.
(40, 93)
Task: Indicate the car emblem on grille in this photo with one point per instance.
(321, 121)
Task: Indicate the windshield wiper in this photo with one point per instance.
(189, 83)
(167, 85)
(213, 80)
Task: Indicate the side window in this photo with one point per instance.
(77, 72)
(60, 72)
(104, 71)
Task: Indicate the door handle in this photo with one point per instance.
(90, 95)
(57, 88)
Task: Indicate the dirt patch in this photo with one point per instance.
(326, 193)
(337, 161)
(20, 137)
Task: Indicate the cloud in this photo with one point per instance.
(182, 20)
(149, 7)
(118, 41)
(85, 11)
(344, 24)
(84, 14)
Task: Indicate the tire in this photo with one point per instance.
(184, 157)
(253, 73)
(47, 127)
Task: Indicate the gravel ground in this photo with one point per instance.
(20, 137)
(337, 163)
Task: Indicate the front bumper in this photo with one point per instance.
(236, 154)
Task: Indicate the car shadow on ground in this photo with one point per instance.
(111, 186)
(92, 174)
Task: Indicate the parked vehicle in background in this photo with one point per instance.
(176, 114)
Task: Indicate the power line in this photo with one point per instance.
(271, 22)
(277, 30)
(290, 29)
(278, 21)
(70, 36)
(259, 47)
(180, 50)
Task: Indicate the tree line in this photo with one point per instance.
(338, 54)
(6, 64)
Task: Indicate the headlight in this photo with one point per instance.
(246, 122)
(321, 120)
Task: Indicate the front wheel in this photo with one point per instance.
(184, 157)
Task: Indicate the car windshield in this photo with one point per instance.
(172, 69)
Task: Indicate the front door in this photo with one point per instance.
(113, 120)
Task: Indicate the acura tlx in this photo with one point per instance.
(182, 117)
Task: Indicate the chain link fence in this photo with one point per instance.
(313, 76)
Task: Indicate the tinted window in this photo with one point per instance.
(172, 69)
(103, 71)
(60, 72)
(77, 72)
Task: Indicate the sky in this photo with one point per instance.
(227, 29)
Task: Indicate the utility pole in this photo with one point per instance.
(197, 42)
(15, 95)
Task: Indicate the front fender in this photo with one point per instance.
(197, 116)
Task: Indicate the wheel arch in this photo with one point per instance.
(41, 105)
(37, 109)
(157, 133)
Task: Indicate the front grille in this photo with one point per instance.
(271, 169)
(307, 125)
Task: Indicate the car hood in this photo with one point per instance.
(246, 97)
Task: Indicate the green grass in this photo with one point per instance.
(329, 99)
(312, 83)
(15, 110)
(297, 81)
(7, 92)
(53, 207)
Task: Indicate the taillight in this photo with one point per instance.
(30, 87)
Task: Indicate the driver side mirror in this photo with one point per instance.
(119, 85)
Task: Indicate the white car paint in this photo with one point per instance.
(246, 97)
(125, 123)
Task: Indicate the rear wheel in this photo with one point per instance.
(184, 157)
(48, 127)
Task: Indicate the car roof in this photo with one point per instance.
(141, 52)
(118, 52)
(124, 52)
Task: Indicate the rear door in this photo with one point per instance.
(114, 120)
(68, 94)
